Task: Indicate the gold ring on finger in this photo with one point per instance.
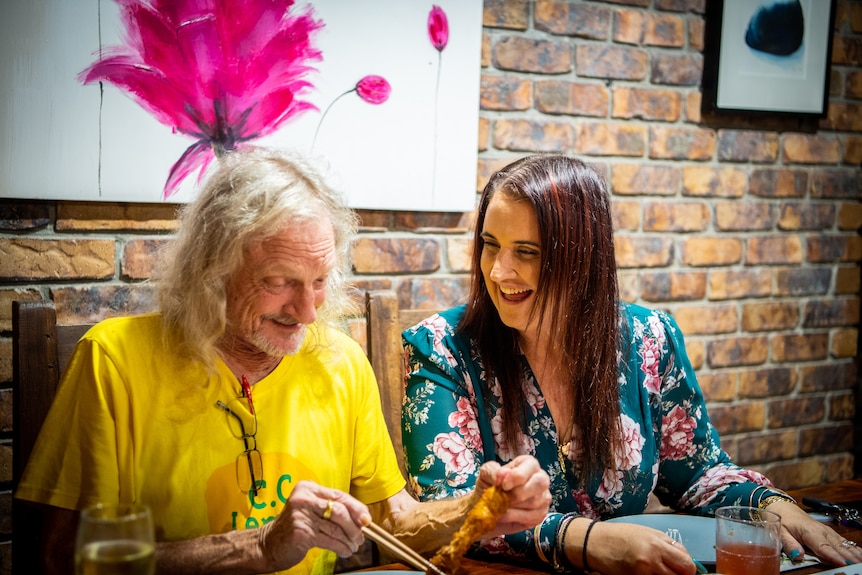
(327, 513)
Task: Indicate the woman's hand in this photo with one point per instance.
(527, 485)
(309, 520)
(798, 529)
(622, 549)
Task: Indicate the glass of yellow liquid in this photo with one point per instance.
(115, 540)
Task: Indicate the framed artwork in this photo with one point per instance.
(768, 56)
(110, 100)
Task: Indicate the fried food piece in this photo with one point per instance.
(481, 519)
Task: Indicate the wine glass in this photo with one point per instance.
(115, 540)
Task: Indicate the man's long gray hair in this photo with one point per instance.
(250, 196)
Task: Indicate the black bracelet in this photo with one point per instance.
(561, 561)
(586, 538)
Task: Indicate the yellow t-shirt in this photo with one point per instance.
(134, 422)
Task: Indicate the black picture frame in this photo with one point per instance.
(765, 79)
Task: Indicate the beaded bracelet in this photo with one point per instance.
(586, 538)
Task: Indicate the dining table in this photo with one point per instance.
(846, 491)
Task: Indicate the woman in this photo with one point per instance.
(544, 360)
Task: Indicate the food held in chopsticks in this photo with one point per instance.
(481, 519)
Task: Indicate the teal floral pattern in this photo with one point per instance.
(451, 420)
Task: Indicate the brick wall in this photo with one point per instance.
(745, 229)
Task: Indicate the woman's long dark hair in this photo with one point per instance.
(577, 298)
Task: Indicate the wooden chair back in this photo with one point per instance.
(384, 322)
(40, 352)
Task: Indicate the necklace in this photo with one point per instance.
(563, 454)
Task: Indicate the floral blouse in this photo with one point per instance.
(451, 425)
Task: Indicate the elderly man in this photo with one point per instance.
(239, 414)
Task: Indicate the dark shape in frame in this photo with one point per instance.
(777, 28)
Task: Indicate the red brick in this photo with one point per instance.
(747, 146)
(853, 85)
(374, 220)
(23, 215)
(846, 50)
(740, 284)
(798, 347)
(843, 117)
(484, 134)
(647, 104)
(7, 296)
(458, 254)
(645, 179)
(848, 280)
(610, 139)
(770, 382)
(567, 19)
(706, 251)
(681, 143)
(831, 313)
(696, 6)
(853, 150)
(629, 26)
(795, 475)
(713, 182)
(427, 222)
(611, 62)
(773, 446)
(719, 386)
(744, 216)
(708, 319)
(778, 183)
(741, 417)
(825, 439)
(737, 351)
(845, 343)
(850, 217)
(811, 149)
(505, 93)
(642, 251)
(693, 102)
(29, 258)
(675, 217)
(696, 34)
(796, 411)
(92, 304)
(676, 69)
(768, 250)
(140, 258)
(529, 136)
(433, 292)
(99, 216)
(798, 282)
(673, 286)
(770, 316)
(626, 215)
(665, 30)
(531, 55)
(806, 216)
(824, 249)
(832, 376)
(394, 255)
(840, 184)
(510, 14)
(572, 98)
(842, 407)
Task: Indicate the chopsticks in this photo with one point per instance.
(399, 549)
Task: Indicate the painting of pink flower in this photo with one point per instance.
(438, 33)
(633, 443)
(222, 73)
(373, 89)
